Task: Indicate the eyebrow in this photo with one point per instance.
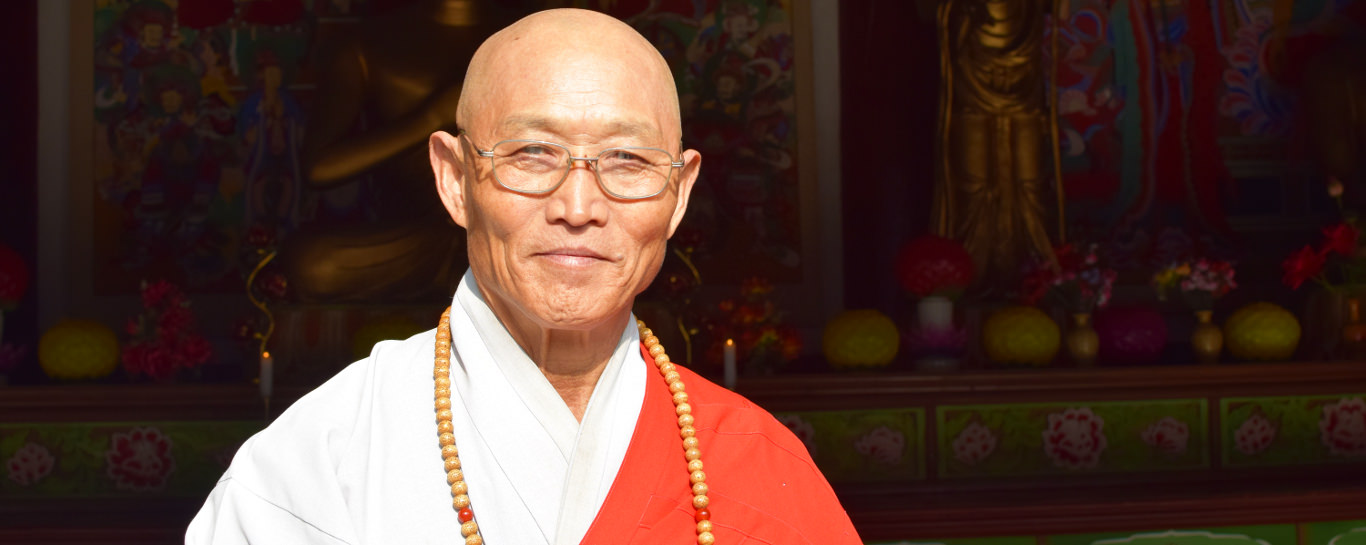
(636, 130)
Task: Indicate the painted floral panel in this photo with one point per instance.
(1044, 439)
(1281, 534)
(173, 459)
(1270, 431)
(1350, 532)
(862, 446)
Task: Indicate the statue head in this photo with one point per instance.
(574, 256)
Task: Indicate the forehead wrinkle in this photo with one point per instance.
(521, 123)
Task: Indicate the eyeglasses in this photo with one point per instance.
(536, 167)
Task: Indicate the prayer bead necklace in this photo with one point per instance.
(456, 477)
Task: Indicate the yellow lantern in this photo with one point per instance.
(1021, 335)
(861, 338)
(1262, 331)
(78, 349)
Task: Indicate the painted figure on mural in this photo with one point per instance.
(992, 185)
(383, 93)
(271, 125)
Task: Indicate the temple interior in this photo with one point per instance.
(1015, 272)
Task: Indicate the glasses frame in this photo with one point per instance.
(591, 161)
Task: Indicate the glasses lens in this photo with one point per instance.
(529, 166)
(634, 172)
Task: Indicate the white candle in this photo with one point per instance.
(729, 380)
(267, 374)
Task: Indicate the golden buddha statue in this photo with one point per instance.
(993, 131)
(399, 77)
(1335, 104)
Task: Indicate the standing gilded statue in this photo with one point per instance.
(994, 132)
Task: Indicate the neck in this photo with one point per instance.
(572, 360)
(455, 12)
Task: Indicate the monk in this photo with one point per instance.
(539, 411)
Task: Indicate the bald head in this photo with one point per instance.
(541, 50)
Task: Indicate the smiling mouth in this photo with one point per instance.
(573, 257)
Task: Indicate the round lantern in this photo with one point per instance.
(13, 277)
(382, 329)
(861, 338)
(1262, 331)
(1130, 336)
(78, 349)
(1021, 336)
(932, 265)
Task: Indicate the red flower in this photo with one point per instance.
(1340, 239)
(1074, 438)
(139, 459)
(14, 276)
(159, 292)
(1302, 265)
(30, 464)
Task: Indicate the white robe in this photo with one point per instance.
(357, 460)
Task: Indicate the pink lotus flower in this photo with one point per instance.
(1074, 438)
(802, 429)
(1254, 435)
(30, 464)
(974, 444)
(883, 445)
(1167, 435)
(139, 459)
(1343, 427)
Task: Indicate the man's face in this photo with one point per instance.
(574, 258)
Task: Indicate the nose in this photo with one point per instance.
(580, 200)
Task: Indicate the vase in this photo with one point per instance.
(935, 313)
(1082, 341)
(1208, 339)
(1354, 332)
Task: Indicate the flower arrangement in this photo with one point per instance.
(1078, 282)
(763, 343)
(1341, 245)
(1199, 282)
(164, 340)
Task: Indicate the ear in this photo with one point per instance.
(692, 165)
(448, 166)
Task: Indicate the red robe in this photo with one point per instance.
(764, 488)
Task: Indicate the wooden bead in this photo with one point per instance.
(445, 426)
(444, 415)
(680, 397)
(441, 371)
(697, 475)
(695, 465)
(452, 463)
(443, 403)
(705, 538)
(675, 386)
(647, 333)
(656, 350)
(685, 421)
(703, 526)
(459, 488)
(699, 489)
(454, 475)
(650, 342)
(666, 367)
(689, 442)
(672, 377)
(700, 501)
(449, 451)
(443, 392)
(469, 528)
(692, 454)
(446, 439)
(662, 359)
(443, 382)
(441, 361)
(462, 501)
(702, 514)
(682, 409)
(474, 540)
(443, 346)
(687, 431)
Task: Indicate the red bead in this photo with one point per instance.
(703, 514)
(466, 515)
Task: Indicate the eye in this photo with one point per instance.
(534, 150)
(623, 156)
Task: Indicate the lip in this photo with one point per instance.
(576, 256)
